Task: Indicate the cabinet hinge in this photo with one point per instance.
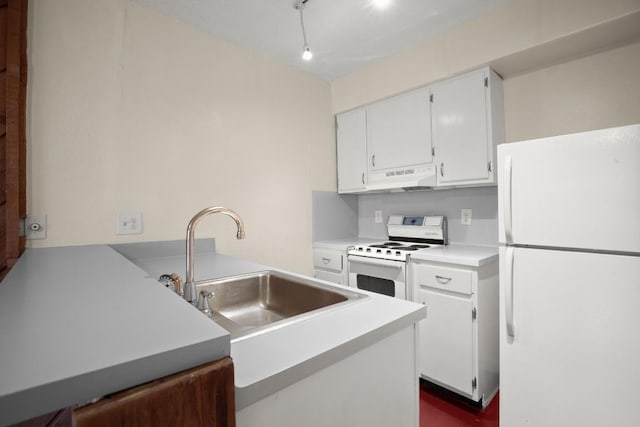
(474, 382)
(431, 97)
(486, 82)
(489, 167)
(474, 313)
(433, 151)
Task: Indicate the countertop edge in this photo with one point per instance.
(250, 394)
(460, 254)
(84, 387)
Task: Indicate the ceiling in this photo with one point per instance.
(344, 35)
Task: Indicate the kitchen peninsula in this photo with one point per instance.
(81, 322)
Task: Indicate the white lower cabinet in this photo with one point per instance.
(458, 340)
(452, 363)
(330, 265)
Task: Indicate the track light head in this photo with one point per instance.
(306, 54)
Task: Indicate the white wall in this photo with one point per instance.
(131, 110)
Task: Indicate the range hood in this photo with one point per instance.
(421, 177)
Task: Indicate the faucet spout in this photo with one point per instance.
(190, 287)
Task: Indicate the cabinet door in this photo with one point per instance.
(460, 130)
(399, 131)
(351, 138)
(446, 340)
(575, 324)
(202, 396)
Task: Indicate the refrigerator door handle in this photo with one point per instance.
(508, 293)
(508, 227)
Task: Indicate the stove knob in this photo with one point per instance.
(360, 249)
(368, 249)
(378, 251)
(398, 253)
(388, 252)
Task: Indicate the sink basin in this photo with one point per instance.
(251, 303)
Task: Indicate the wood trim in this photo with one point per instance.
(15, 142)
(202, 396)
(61, 418)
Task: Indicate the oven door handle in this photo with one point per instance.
(375, 261)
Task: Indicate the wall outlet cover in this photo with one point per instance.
(129, 223)
(378, 217)
(465, 216)
(35, 227)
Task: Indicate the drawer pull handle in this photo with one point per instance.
(326, 260)
(442, 279)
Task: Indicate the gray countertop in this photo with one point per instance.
(453, 253)
(279, 357)
(458, 253)
(80, 322)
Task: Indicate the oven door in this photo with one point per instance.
(378, 275)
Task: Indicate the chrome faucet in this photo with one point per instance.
(190, 287)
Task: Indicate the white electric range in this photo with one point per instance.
(381, 266)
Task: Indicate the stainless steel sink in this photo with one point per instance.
(251, 303)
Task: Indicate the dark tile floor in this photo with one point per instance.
(440, 410)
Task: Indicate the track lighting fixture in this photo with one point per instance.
(306, 52)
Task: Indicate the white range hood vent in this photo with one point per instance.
(405, 179)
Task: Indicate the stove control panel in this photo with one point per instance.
(432, 228)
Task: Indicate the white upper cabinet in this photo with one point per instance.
(351, 137)
(467, 121)
(399, 131)
(449, 129)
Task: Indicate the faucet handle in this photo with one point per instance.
(172, 281)
(203, 302)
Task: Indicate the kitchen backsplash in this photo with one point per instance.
(336, 216)
(483, 201)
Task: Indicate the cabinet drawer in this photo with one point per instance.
(450, 279)
(327, 260)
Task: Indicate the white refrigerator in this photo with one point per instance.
(569, 233)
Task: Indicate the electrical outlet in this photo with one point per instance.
(378, 217)
(129, 223)
(35, 227)
(465, 216)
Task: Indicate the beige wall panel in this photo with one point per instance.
(132, 110)
(511, 28)
(595, 92)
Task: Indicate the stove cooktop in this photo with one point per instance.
(399, 245)
(390, 250)
(407, 234)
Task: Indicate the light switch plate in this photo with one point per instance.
(465, 216)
